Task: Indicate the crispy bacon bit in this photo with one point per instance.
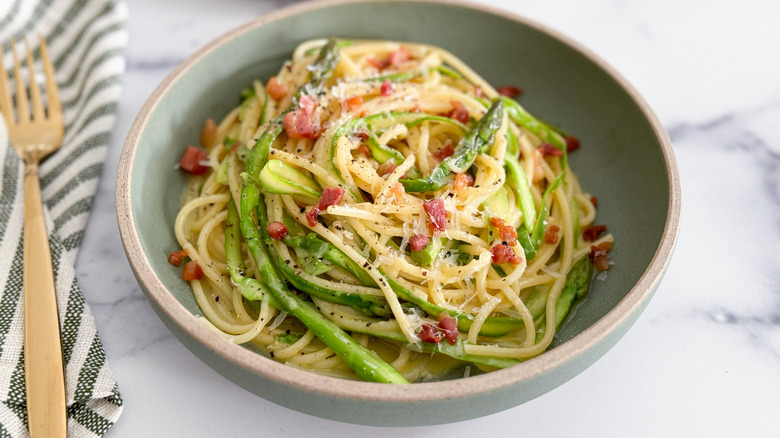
(504, 254)
(364, 151)
(538, 169)
(398, 191)
(379, 64)
(352, 103)
(277, 230)
(276, 88)
(386, 168)
(548, 149)
(401, 55)
(418, 242)
(508, 235)
(209, 134)
(459, 112)
(463, 180)
(478, 92)
(509, 91)
(598, 254)
(307, 104)
(572, 143)
(593, 232)
(436, 214)
(551, 234)
(446, 151)
(507, 232)
(449, 326)
(175, 258)
(192, 271)
(387, 88)
(429, 333)
(330, 196)
(311, 216)
(362, 134)
(298, 125)
(594, 200)
(192, 160)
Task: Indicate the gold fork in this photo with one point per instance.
(33, 140)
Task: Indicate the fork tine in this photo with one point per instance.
(55, 109)
(35, 90)
(5, 93)
(23, 112)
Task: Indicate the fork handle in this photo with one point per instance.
(43, 364)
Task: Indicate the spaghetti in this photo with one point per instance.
(378, 211)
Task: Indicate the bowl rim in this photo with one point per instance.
(368, 391)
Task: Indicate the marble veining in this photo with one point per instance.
(704, 358)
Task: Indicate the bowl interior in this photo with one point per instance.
(620, 161)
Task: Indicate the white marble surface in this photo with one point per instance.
(704, 358)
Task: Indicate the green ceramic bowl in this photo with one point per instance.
(626, 160)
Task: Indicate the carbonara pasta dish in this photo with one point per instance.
(378, 211)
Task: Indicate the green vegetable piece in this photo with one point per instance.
(364, 362)
(263, 109)
(497, 205)
(248, 94)
(427, 255)
(372, 305)
(248, 287)
(408, 75)
(444, 347)
(476, 142)
(519, 180)
(283, 179)
(339, 43)
(382, 153)
(449, 71)
(537, 301)
(320, 248)
(493, 326)
(222, 173)
(228, 143)
(380, 122)
(538, 231)
(288, 338)
(312, 264)
(524, 239)
(577, 285)
(512, 144)
(542, 130)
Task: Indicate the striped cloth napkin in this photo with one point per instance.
(86, 40)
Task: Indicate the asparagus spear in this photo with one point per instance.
(314, 245)
(476, 142)
(393, 333)
(378, 122)
(364, 362)
(577, 285)
(405, 76)
(249, 287)
(542, 130)
(373, 305)
(493, 325)
(522, 191)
